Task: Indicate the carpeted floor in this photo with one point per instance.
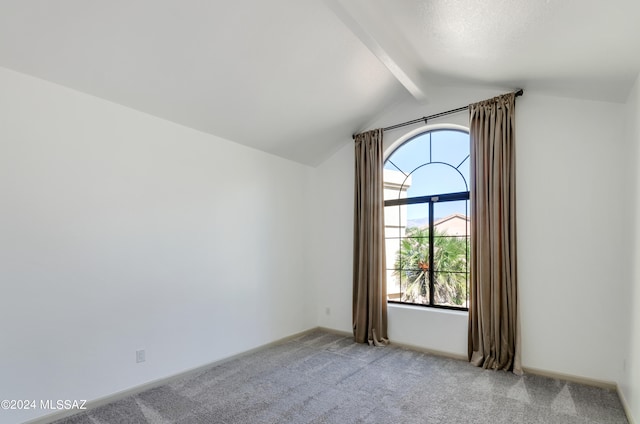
(322, 377)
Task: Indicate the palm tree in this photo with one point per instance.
(450, 266)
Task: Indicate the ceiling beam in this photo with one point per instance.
(364, 26)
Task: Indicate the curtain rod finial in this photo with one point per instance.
(520, 92)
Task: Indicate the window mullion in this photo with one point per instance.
(431, 252)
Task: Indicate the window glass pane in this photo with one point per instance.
(415, 286)
(394, 231)
(451, 218)
(450, 147)
(407, 252)
(393, 285)
(395, 184)
(451, 253)
(410, 155)
(413, 255)
(395, 221)
(417, 216)
(399, 219)
(436, 178)
(450, 289)
(413, 262)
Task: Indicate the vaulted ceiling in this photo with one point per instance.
(295, 78)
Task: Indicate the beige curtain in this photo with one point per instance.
(494, 327)
(369, 278)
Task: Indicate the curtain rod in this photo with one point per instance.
(437, 115)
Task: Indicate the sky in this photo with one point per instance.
(438, 163)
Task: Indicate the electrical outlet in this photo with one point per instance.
(140, 356)
(327, 310)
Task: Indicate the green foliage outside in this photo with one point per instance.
(450, 266)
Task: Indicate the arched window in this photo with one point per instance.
(426, 183)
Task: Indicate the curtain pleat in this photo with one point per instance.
(369, 277)
(494, 327)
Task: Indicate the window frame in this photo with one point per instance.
(430, 200)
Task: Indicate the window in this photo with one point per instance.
(427, 220)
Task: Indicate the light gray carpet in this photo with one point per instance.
(326, 378)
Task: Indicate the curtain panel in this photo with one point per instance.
(494, 327)
(369, 273)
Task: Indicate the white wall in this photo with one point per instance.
(573, 214)
(630, 383)
(571, 232)
(120, 231)
(438, 330)
(331, 265)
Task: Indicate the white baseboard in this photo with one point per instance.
(334, 331)
(405, 345)
(572, 378)
(589, 382)
(430, 351)
(625, 405)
